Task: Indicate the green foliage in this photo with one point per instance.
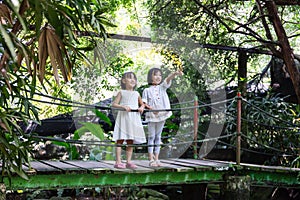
(268, 123)
(22, 63)
(193, 79)
(73, 153)
(106, 64)
(188, 18)
(86, 126)
(117, 66)
(15, 111)
(95, 129)
(14, 145)
(57, 104)
(227, 24)
(221, 27)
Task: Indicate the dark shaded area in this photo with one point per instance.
(69, 122)
(180, 192)
(281, 82)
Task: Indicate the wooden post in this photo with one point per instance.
(238, 128)
(242, 88)
(236, 188)
(242, 71)
(195, 127)
(2, 191)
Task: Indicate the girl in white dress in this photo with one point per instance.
(128, 125)
(157, 98)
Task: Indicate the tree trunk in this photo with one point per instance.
(286, 50)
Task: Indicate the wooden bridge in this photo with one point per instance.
(60, 174)
(78, 174)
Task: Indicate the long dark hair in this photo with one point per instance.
(151, 72)
(127, 75)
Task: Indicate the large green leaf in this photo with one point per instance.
(103, 117)
(95, 129)
(19, 171)
(8, 41)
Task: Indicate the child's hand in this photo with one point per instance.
(180, 73)
(141, 109)
(151, 108)
(127, 108)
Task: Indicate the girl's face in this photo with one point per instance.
(156, 78)
(129, 82)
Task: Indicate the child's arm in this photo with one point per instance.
(143, 105)
(172, 76)
(144, 99)
(117, 101)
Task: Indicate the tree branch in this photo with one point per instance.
(263, 19)
(248, 31)
(286, 50)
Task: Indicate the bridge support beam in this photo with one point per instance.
(236, 188)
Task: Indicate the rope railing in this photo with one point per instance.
(202, 105)
(105, 143)
(82, 105)
(94, 106)
(267, 125)
(264, 145)
(240, 134)
(280, 152)
(268, 114)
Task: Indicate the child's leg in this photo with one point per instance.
(158, 130)
(118, 151)
(151, 138)
(129, 150)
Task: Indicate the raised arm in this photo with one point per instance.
(173, 75)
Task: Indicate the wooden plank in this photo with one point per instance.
(110, 165)
(176, 167)
(42, 167)
(221, 161)
(195, 166)
(140, 169)
(209, 163)
(270, 168)
(164, 168)
(91, 166)
(65, 167)
(257, 167)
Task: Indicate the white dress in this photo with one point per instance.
(156, 96)
(128, 125)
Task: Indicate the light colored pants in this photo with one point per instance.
(154, 136)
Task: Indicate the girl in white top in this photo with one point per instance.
(157, 98)
(128, 125)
